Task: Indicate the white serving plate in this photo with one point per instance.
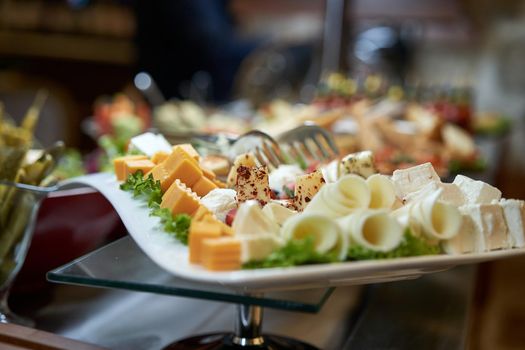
(172, 255)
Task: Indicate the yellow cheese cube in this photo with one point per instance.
(188, 150)
(179, 199)
(198, 232)
(118, 164)
(132, 166)
(203, 186)
(159, 157)
(221, 254)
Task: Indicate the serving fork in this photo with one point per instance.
(300, 145)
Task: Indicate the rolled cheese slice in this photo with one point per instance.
(341, 198)
(277, 212)
(437, 220)
(383, 194)
(327, 235)
(250, 220)
(372, 229)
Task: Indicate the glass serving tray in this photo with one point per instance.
(123, 265)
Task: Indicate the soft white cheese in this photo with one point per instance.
(490, 223)
(283, 175)
(477, 192)
(258, 247)
(250, 220)
(220, 201)
(468, 240)
(450, 193)
(514, 213)
(332, 171)
(149, 143)
(414, 178)
(277, 212)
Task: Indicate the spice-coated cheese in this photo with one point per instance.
(247, 160)
(252, 183)
(306, 186)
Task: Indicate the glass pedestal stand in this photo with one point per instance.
(122, 265)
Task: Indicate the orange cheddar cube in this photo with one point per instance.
(219, 183)
(221, 254)
(203, 186)
(201, 213)
(200, 231)
(180, 200)
(207, 172)
(159, 157)
(188, 150)
(119, 165)
(226, 230)
(159, 173)
(132, 166)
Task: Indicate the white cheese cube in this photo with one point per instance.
(360, 163)
(258, 247)
(514, 213)
(250, 220)
(469, 239)
(252, 183)
(306, 186)
(477, 192)
(489, 222)
(149, 144)
(414, 178)
(452, 194)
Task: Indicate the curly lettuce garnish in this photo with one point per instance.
(409, 246)
(150, 191)
(295, 252)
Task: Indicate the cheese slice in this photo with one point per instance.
(414, 178)
(149, 143)
(477, 192)
(514, 213)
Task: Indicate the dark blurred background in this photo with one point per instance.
(216, 51)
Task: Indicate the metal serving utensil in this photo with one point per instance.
(309, 142)
(306, 142)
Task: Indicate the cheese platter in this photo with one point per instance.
(336, 227)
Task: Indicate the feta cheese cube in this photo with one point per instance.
(360, 163)
(149, 144)
(468, 240)
(477, 192)
(414, 178)
(514, 213)
(490, 223)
